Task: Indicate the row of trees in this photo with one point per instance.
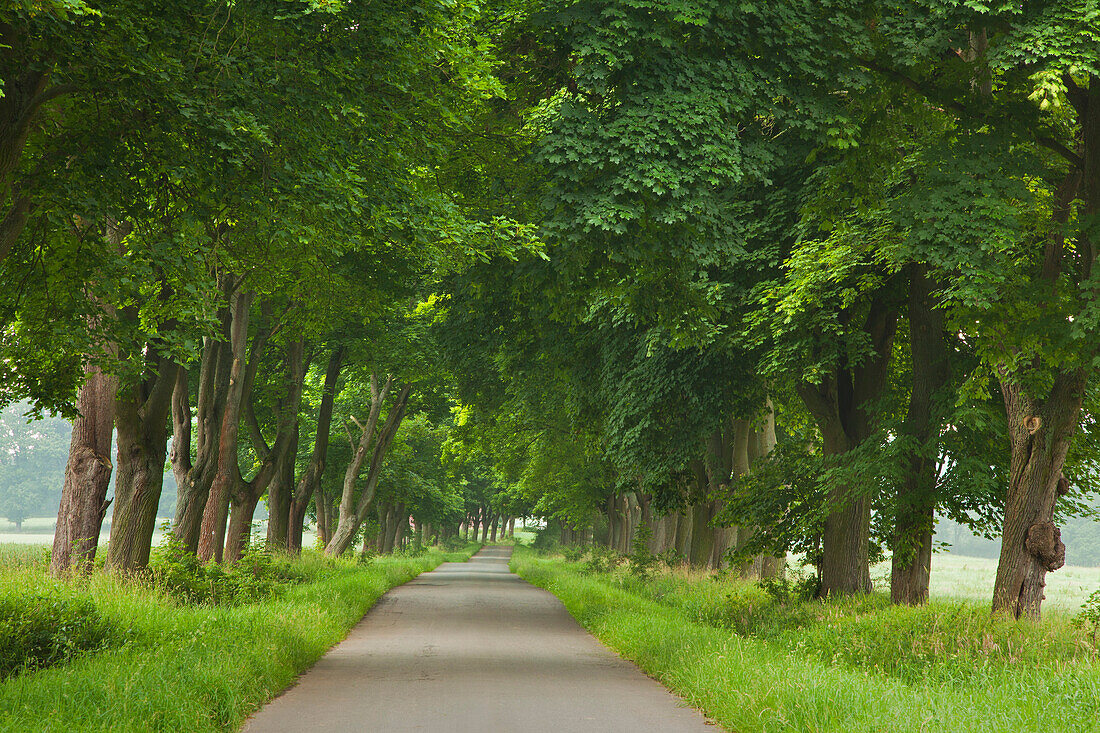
(218, 220)
(804, 267)
(871, 225)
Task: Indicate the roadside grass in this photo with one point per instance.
(759, 661)
(192, 667)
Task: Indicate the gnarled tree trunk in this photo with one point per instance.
(1031, 546)
(87, 474)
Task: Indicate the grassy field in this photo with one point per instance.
(971, 578)
(759, 661)
(182, 666)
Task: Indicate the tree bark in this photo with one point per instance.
(839, 406)
(87, 474)
(212, 532)
(1041, 429)
(276, 458)
(194, 478)
(352, 514)
(915, 506)
(141, 413)
(684, 532)
(1041, 432)
(311, 478)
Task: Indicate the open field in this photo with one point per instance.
(971, 578)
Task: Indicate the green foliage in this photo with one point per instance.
(642, 561)
(43, 630)
(257, 576)
(573, 553)
(602, 560)
(1089, 616)
(787, 587)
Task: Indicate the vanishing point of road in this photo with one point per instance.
(471, 647)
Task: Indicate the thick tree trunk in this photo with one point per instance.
(1031, 546)
(238, 534)
(385, 515)
(511, 527)
(915, 506)
(493, 531)
(840, 405)
(280, 495)
(87, 474)
(142, 440)
(396, 521)
(846, 536)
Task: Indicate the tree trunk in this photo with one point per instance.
(1031, 546)
(324, 520)
(684, 532)
(280, 495)
(493, 531)
(194, 479)
(87, 474)
(511, 527)
(385, 516)
(311, 478)
(840, 405)
(212, 532)
(238, 534)
(915, 506)
(352, 514)
(142, 441)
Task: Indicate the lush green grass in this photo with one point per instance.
(191, 667)
(754, 663)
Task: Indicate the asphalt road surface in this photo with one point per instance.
(473, 647)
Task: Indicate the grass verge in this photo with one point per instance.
(187, 667)
(752, 663)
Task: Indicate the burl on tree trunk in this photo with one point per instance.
(1031, 546)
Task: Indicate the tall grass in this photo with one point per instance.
(193, 667)
(754, 662)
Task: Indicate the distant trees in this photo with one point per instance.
(32, 463)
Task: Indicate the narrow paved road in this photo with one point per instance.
(472, 647)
